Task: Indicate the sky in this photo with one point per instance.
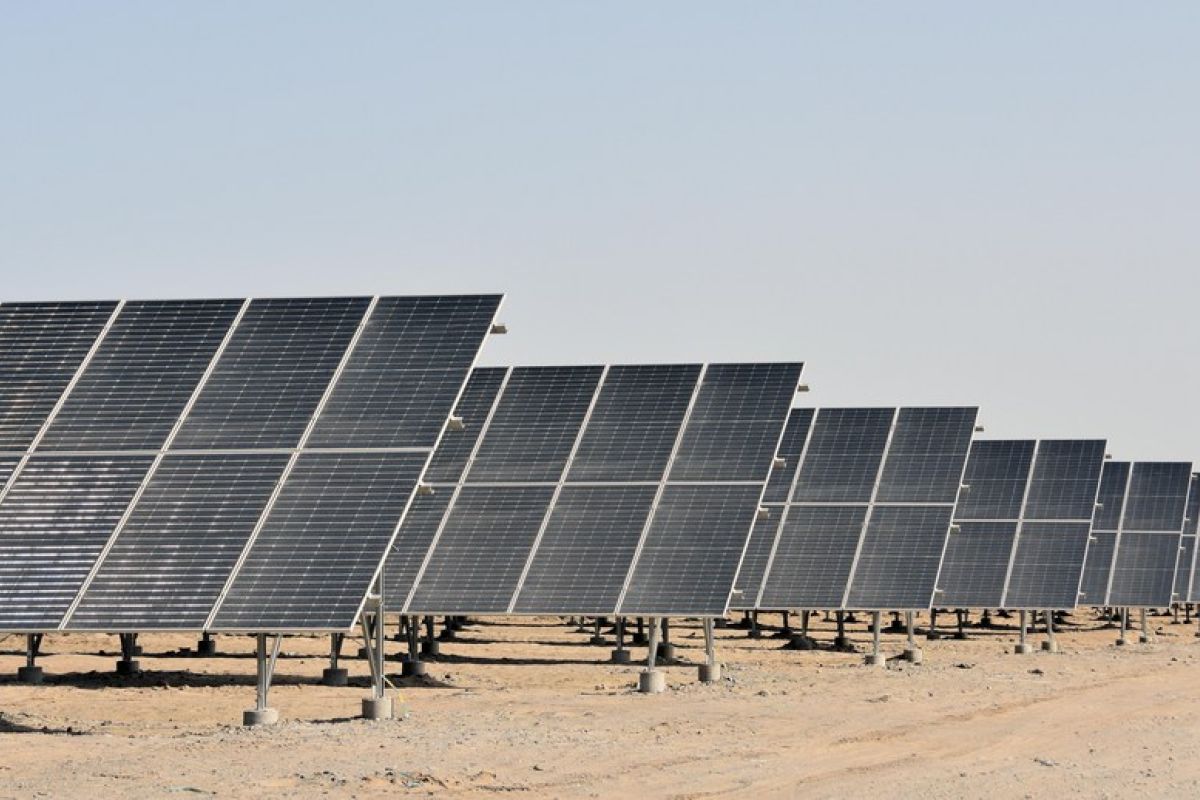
(927, 202)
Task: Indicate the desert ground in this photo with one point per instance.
(528, 706)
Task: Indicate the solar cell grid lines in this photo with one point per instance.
(867, 517)
(163, 465)
(593, 452)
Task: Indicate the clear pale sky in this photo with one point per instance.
(927, 202)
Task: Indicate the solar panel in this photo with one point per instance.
(1146, 552)
(134, 388)
(42, 346)
(185, 474)
(866, 521)
(1022, 519)
(1137, 534)
(54, 521)
(577, 467)
(169, 564)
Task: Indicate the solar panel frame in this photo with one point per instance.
(1190, 539)
(1142, 578)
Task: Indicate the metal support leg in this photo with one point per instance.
(1144, 635)
(333, 675)
(1121, 640)
(912, 653)
(801, 641)
(875, 657)
(960, 620)
(621, 655)
(412, 666)
(429, 647)
(449, 629)
(31, 672)
(378, 705)
(666, 650)
(785, 631)
(755, 632)
(207, 646)
(597, 637)
(840, 642)
(932, 634)
(639, 637)
(651, 681)
(710, 670)
(265, 662)
(127, 665)
(1051, 643)
(1022, 647)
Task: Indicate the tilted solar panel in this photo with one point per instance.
(172, 467)
(868, 515)
(1147, 546)
(1185, 576)
(1110, 503)
(599, 450)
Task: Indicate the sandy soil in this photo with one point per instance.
(528, 706)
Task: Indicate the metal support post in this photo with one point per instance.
(666, 650)
(710, 670)
(262, 714)
(650, 680)
(1121, 640)
(31, 672)
(912, 653)
(1144, 635)
(620, 655)
(1051, 643)
(875, 657)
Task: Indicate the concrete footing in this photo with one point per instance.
(430, 648)
(598, 641)
(129, 667)
(642, 640)
(875, 659)
(259, 716)
(800, 642)
(412, 669)
(913, 655)
(1050, 647)
(651, 682)
(377, 708)
(1023, 649)
(622, 657)
(1143, 639)
(30, 675)
(666, 652)
(206, 647)
(720, 622)
(710, 673)
(447, 635)
(334, 677)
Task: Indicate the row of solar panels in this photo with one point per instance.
(248, 464)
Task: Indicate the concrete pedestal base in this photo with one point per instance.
(622, 657)
(710, 673)
(128, 667)
(1143, 639)
(598, 641)
(334, 677)
(933, 636)
(429, 648)
(895, 626)
(412, 669)
(666, 652)
(960, 636)
(1023, 649)
(256, 716)
(914, 655)
(30, 675)
(206, 647)
(651, 682)
(799, 642)
(720, 622)
(377, 708)
(447, 635)
(842, 643)
(1121, 642)
(642, 640)
(1050, 647)
(875, 659)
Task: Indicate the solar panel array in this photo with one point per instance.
(593, 490)
(216, 464)
(1137, 534)
(860, 511)
(1022, 524)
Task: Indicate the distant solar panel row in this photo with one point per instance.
(219, 464)
(1136, 534)
(860, 510)
(593, 490)
(1022, 525)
